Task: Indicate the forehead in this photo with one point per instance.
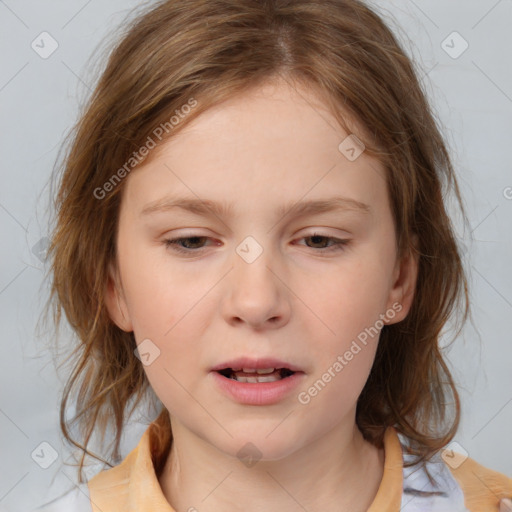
(276, 140)
(275, 117)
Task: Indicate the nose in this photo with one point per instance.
(257, 294)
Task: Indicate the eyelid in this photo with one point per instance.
(337, 243)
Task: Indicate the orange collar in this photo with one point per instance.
(133, 486)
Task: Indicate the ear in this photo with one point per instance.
(115, 302)
(404, 282)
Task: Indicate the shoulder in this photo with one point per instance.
(483, 487)
(460, 484)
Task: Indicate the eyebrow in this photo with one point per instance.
(223, 209)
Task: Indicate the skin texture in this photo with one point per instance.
(297, 302)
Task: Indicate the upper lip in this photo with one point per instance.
(257, 364)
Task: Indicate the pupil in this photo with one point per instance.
(194, 240)
(315, 238)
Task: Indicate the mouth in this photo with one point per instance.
(257, 381)
(255, 376)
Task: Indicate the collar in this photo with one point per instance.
(133, 485)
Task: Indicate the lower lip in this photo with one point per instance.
(262, 393)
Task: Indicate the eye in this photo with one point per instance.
(191, 244)
(319, 239)
(176, 243)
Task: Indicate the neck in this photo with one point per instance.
(341, 471)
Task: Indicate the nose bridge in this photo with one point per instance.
(255, 294)
(250, 250)
(252, 264)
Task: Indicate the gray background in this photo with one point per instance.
(39, 100)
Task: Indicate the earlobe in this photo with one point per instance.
(404, 285)
(115, 303)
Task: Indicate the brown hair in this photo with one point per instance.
(207, 51)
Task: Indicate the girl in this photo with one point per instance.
(251, 226)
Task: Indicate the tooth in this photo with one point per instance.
(249, 370)
(268, 378)
(265, 371)
(259, 379)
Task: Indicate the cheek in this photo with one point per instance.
(171, 323)
(344, 353)
(350, 303)
(331, 394)
(350, 299)
(167, 307)
(157, 295)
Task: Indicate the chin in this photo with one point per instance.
(256, 444)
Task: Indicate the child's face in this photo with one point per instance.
(297, 302)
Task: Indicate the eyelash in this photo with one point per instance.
(337, 245)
